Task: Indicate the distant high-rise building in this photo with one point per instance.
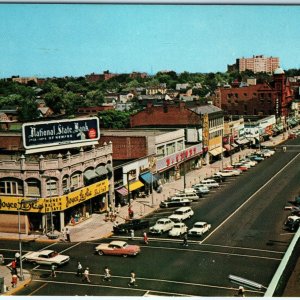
(257, 64)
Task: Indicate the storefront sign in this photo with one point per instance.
(60, 133)
(177, 157)
(46, 205)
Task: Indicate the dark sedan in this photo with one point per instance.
(134, 224)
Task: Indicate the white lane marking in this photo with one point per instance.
(50, 245)
(249, 199)
(33, 292)
(215, 252)
(147, 279)
(70, 247)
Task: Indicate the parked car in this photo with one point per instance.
(117, 248)
(190, 195)
(178, 229)
(217, 178)
(292, 223)
(134, 224)
(240, 168)
(46, 257)
(250, 162)
(199, 228)
(211, 183)
(255, 157)
(162, 225)
(201, 188)
(181, 214)
(175, 202)
(228, 173)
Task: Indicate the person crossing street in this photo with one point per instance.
(79, 269)
(86, 274)
(107, 276)
(132, 280)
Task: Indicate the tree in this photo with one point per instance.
(27, 110)
(114, 119)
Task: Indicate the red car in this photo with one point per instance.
(239, 167)
(117, 248)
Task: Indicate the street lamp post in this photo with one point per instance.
(19, 229)
(50, 194)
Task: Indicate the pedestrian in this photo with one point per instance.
(185, 240)
(53, 273)
(118, 208)
(86, 274)
(14, 280)
(14, 267)
(107, 276)
(241, 292)
(131, 234)
(68, 235)
(17, 257)
(79, 269)
(132, 279)
(145, 238)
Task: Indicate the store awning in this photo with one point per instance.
(242, 141)
(216, 151)
(147, 178)
(135, 185)
(228, 147)
(109, 168)
(122, 190)
(90, 174)
(101, 171)
(234, 145)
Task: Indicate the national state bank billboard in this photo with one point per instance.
(60, 134)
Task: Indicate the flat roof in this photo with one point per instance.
(136, 132)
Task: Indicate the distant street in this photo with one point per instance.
(247, 240)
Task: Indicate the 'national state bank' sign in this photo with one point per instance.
(60, 134)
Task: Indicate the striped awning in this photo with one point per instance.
(216, 151)
(122, 190)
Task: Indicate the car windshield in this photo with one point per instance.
(179, 212)
(198, 226)
(160, 222)
(177, 226)
(53, 254)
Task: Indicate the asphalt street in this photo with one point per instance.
(247, 240)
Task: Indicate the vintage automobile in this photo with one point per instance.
(178, 229)
(199, 228)
(117, 248)
(181, 214)
(210, 183)
(292, 223)
(201, 188)
(134, 224)
(229, 173)
(46, 257)
(175, 201)
(162, 225)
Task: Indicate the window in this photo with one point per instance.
(51, 187)
(65, 184)
(11, 187)
(170, 148)
(180, 145)
(160, 151)
(75, 181)
(33, 187)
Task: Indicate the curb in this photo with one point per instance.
(19, 287)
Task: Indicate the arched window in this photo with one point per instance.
(52, 187)
(11, 186)
(76, 181)
(33, 187)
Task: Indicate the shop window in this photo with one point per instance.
(170, 148)
(11, 187)
(33, 187)
(160, 151)
(65, 184)
(52, 187)
(180, 145)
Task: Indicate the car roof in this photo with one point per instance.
(182, 209)
(200, 223)
(181, 224)
(118, 243)
(47, 251)
(163, 219)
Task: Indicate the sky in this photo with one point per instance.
(56, 40)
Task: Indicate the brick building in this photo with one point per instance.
(257, 64)
(261, 99)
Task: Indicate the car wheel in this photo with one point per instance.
(124, 255)
(100, 252)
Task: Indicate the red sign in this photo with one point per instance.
(92, 133)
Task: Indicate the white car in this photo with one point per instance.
(228, 173)
(178, 229)
(161, 225)
(202, 189)
(181, 214)
(211, 183)
(46, 257)
(199, 228)
(252, 163)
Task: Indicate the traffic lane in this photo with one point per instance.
(186, 275)
(261, 219)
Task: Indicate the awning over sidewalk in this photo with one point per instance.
(242, 141)
(90, 174)
(122, 190)
(135, 185)
(228, 147)
(148, 178)
(101, 171)
(234, 145)
(216, 151)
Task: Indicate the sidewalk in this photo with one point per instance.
(96, 227)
